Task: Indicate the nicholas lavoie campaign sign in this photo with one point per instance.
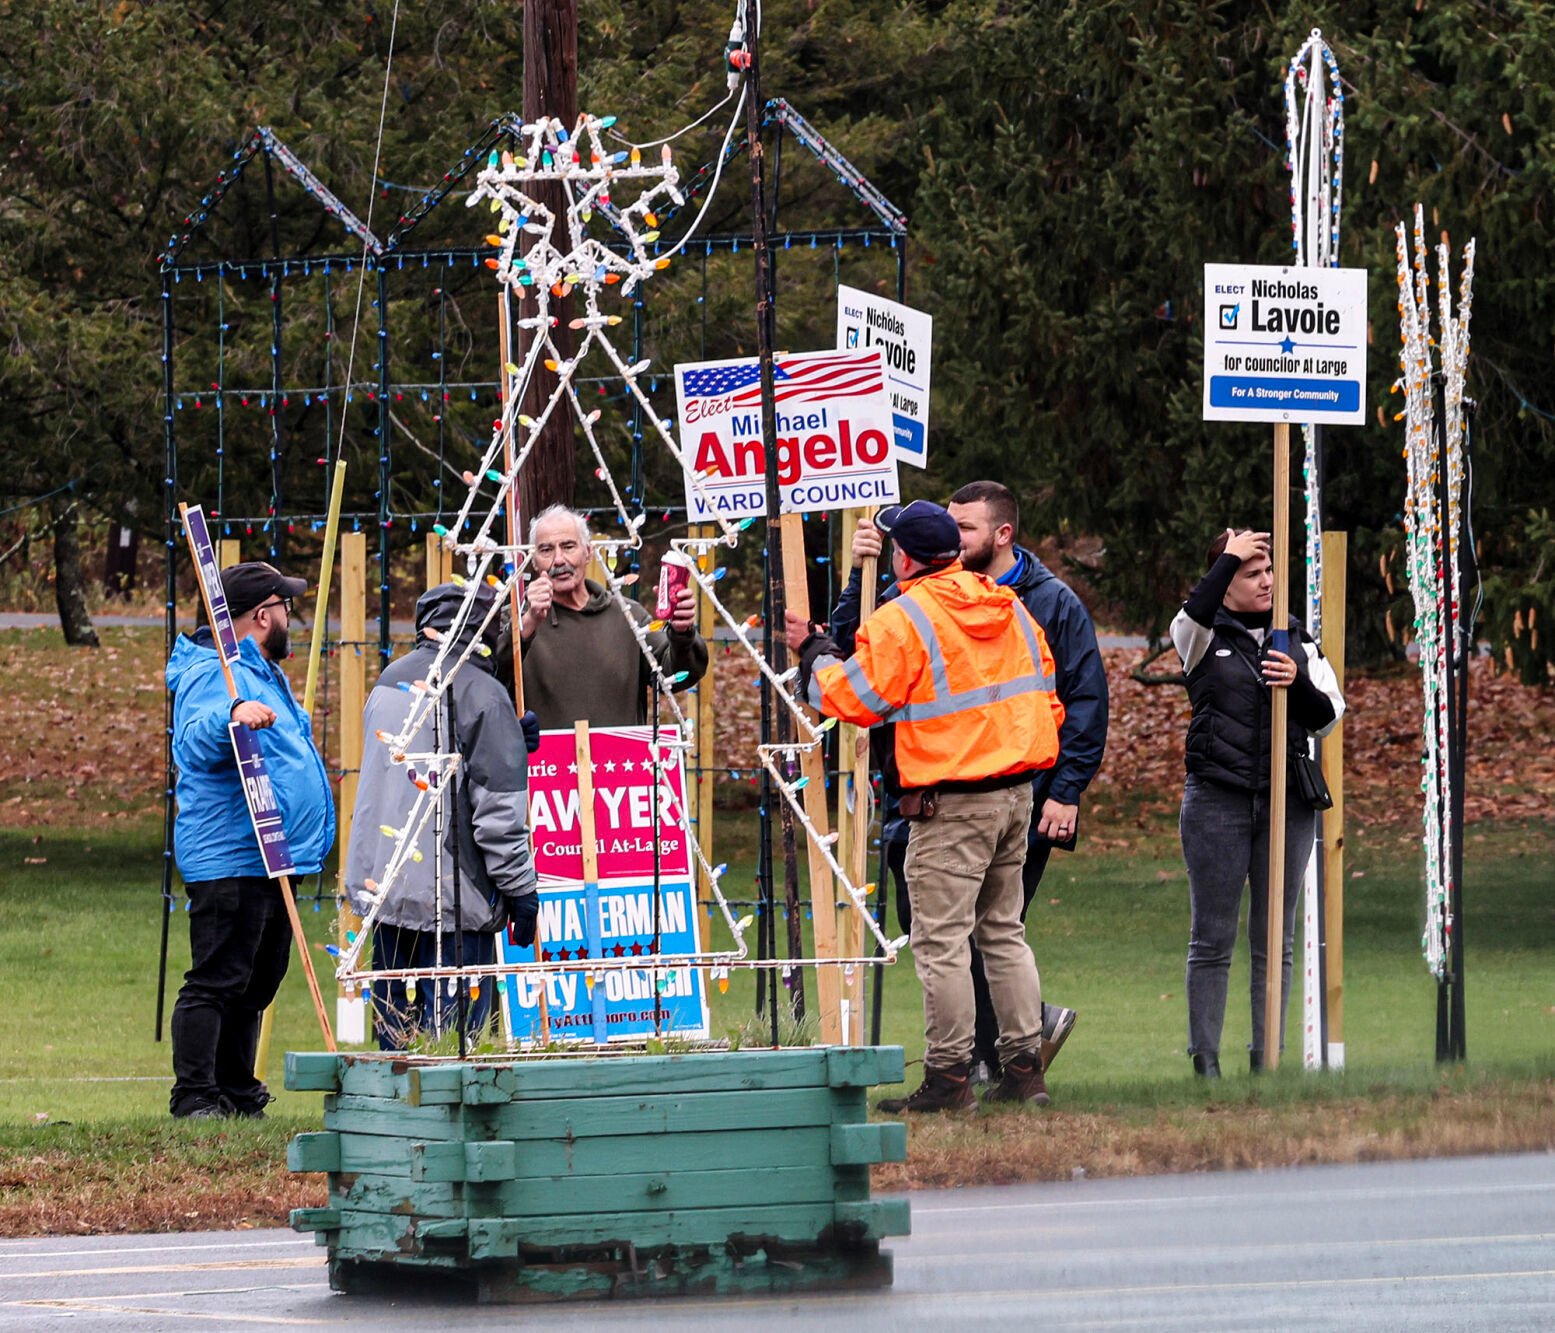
(611, 917)
(834, 434)
(1284, 344)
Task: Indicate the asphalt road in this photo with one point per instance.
(1459, 1244)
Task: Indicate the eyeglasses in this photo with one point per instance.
(279, 601)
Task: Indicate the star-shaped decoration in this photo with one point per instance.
(618, 952)
(637, 949)
(610, 765)
(627, 765)
(573, 769)
(1287, 346)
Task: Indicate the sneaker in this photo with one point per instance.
(1022, 1082)
(1057, 1024)
(204, 1111)
(253, 1109)
(942, 1090)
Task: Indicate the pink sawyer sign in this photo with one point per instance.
(623, 806)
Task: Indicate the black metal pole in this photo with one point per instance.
(776, 648)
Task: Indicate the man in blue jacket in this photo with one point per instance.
(239, 934)
(988, 515)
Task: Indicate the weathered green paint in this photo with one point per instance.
(856, 1145)
(314, 1152)
(422, 1082)
(844, 1224)
(614, 1154)
(877, 1217)
(315, 1219)
(677, 1113)
(313, 1071)
(707, 1172)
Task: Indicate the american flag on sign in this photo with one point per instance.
(834, 375)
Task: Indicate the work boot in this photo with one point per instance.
(947, 1089)
(1206, 1066)
(1022, 1081)
(1057, 1023)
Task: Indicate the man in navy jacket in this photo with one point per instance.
(988, 516)
(239, 933)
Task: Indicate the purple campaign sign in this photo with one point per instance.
(262, 806)
(210, 576)
(257, 791)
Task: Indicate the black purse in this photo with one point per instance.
(1310, 786)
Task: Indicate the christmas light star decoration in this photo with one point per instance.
(1434, 513)
(548, 280)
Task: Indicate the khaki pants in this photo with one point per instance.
(964, 877)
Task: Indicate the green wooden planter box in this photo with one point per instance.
(715, 1172)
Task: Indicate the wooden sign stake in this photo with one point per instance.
(1279, 714)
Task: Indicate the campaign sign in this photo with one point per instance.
(262, 806)
(1284, 344)
(834, 434)
(257, 791)
(905, 338)
(210, 575)
(612, 917)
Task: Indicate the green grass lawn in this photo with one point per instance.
(79, 946)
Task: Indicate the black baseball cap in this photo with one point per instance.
(247, 585)
(922, 529)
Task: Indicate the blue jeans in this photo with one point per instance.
(1225, 843)
(397, 1018)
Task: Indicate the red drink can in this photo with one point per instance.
(674, 575)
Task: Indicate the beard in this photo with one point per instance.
(277, 643)
(977, 558)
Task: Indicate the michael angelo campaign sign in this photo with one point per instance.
(834, 434)
(1284, 344)
(613, 916)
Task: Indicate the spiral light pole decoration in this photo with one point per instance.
(1438, 548)
(1314, 138)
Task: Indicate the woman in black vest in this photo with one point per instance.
(1222, 636)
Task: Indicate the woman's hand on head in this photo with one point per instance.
(1243, 545)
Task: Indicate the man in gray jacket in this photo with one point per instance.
(486, 811)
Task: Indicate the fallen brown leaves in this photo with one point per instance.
(1022, 1145)
(84, 739)
(69, 1193)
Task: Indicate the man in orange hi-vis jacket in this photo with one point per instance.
(961, 668)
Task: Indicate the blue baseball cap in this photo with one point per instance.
(923, 530)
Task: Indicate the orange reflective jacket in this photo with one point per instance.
(962, 669)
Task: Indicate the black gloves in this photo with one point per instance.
(531, 725)
(523, 912)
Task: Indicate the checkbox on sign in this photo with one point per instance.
(1229, 314)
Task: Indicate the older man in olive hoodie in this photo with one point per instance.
(581, 661)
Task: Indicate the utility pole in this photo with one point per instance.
(550, 90)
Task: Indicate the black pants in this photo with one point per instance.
(987, 1028)
(240, 944)
(399, 1015)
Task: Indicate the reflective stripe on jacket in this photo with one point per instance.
(962, 669)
